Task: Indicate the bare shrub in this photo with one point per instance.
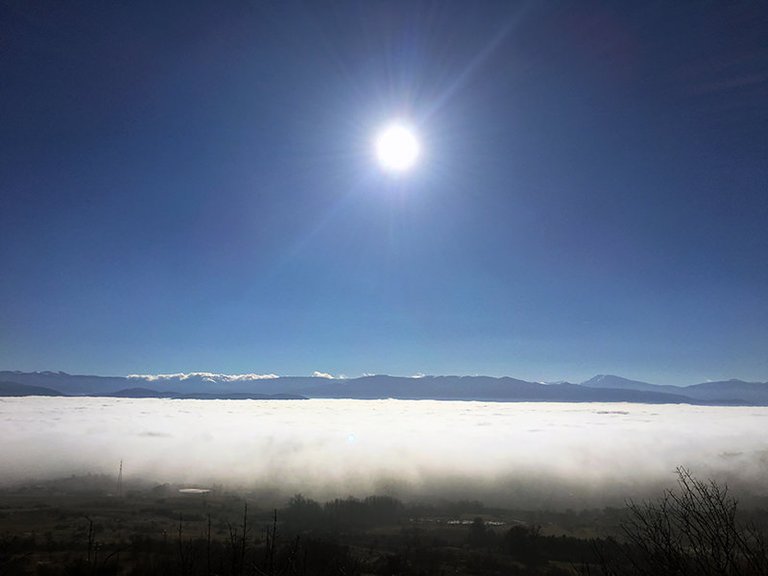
(692, 530)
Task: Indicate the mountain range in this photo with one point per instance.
(203, 385)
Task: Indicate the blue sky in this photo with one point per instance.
(193, 187)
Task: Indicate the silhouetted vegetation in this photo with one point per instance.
(693, 530)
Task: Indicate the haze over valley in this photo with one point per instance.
(540, 455)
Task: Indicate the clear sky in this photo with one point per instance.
(194, 187)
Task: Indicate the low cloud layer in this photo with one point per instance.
(526, 454)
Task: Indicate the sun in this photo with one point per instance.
(397, 147)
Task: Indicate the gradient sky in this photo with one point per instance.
(192, 187)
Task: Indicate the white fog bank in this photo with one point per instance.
(534, 454)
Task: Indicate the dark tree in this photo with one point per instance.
(693, 530)
(524, 544)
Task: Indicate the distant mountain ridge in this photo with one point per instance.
(611, 381)
(726, 391)
(15, 389)
(202, 385)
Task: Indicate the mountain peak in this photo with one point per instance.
(606, 378)
(618, 382)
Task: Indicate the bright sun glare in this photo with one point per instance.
(397, 148)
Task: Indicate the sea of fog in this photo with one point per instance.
(518, 454)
